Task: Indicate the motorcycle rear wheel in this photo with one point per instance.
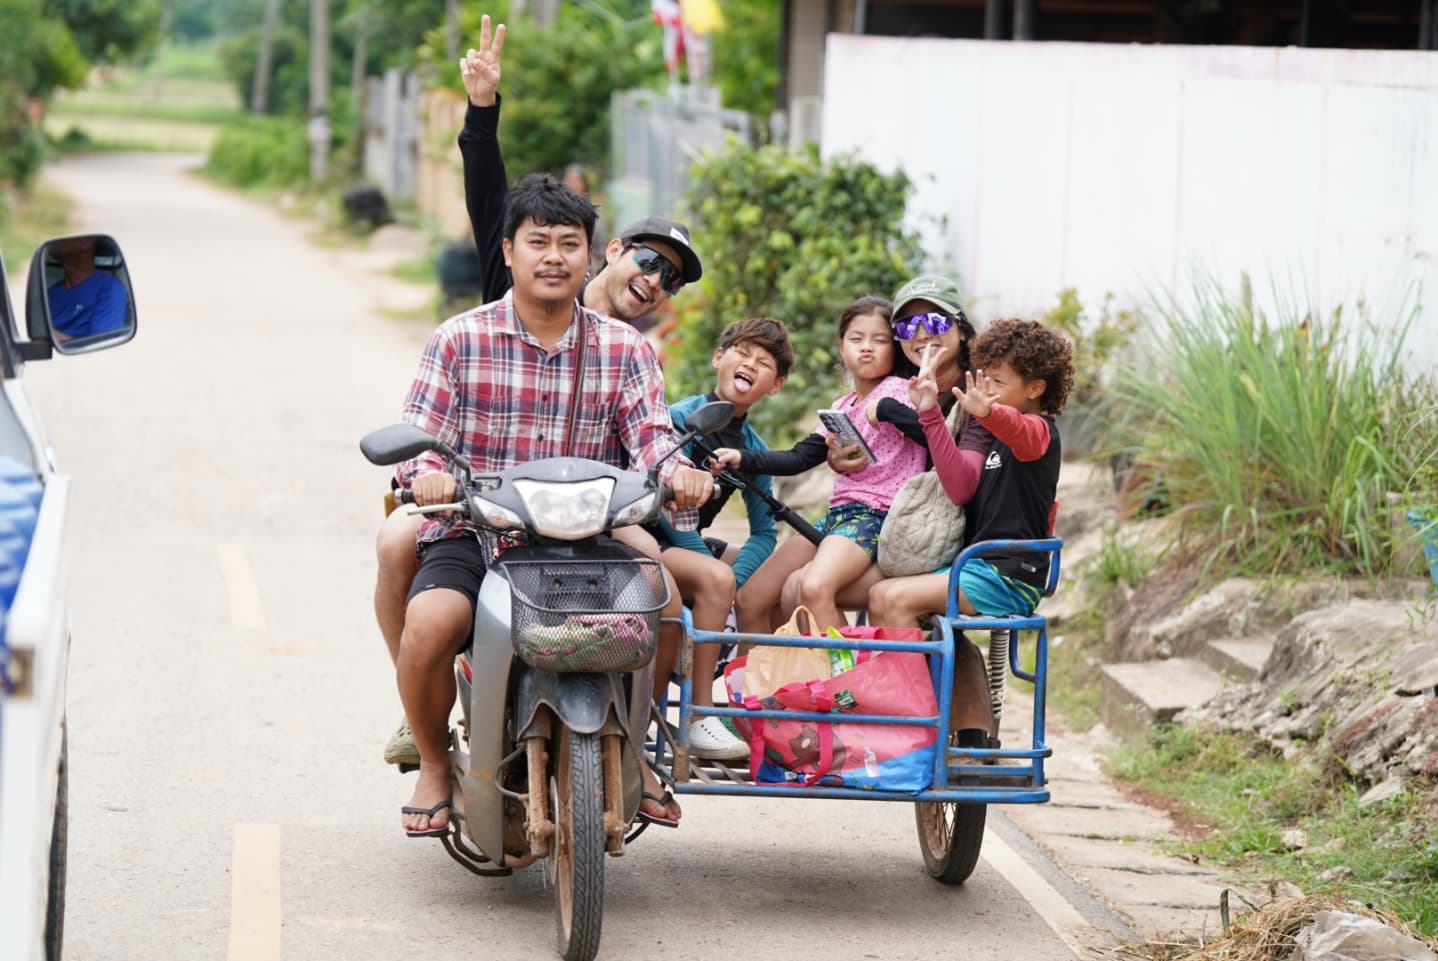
(578, 844)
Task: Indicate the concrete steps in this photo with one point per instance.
(1135, 696)
(1236, 659)
(1138, 695)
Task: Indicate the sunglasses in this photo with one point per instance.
(907, 328)
(651, 261)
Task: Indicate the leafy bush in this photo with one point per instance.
(1098, 342)
(1278, 439)
(261, 152)
(788, 235)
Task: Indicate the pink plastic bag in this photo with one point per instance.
(874, 756)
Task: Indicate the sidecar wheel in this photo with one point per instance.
(578, 844)
(950, 836)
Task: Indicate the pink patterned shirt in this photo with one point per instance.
(898, 458)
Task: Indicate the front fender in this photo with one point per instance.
(583, 702)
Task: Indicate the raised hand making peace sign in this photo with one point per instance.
(923, 387)
(480, 68)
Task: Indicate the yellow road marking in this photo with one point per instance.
(255, 894)
(246, 610)
(1048, 903)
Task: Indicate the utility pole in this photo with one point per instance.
(994, 20)
(1024, 16)
(451, 29)
(319, 122)
(260, 89)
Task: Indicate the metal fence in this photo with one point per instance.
(391, 131)
(656, 136)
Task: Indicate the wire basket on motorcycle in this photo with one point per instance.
(579, 615)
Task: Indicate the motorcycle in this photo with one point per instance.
(555, 682)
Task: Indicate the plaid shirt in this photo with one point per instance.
(493, 393)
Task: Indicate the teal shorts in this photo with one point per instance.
(858, 522)
(993, 594)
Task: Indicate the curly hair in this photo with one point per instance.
(1034, 352)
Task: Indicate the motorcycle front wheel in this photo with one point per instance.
(578, 851)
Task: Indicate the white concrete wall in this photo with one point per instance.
(1127, 169)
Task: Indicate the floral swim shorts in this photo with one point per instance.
(858, 522)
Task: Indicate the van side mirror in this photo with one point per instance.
(79, 297)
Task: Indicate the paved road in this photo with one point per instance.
(229, 694)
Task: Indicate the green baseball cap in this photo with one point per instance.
(937, 290)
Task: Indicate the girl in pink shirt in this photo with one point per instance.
(861, 498)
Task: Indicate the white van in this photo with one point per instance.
(78, 299)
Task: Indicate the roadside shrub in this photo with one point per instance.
(1098, 340)
(1277, 438)
(261, 152)
(788, 235)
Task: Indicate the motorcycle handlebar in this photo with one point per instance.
(666, 493)
(777, 508)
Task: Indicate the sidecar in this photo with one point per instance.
(950, 805)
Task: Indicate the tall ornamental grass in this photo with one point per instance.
(1278, 441)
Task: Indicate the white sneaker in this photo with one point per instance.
(708, 737)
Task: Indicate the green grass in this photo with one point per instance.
(179, 101)
(420, 270)
(1278, 437)
(1073, 689)
(1239, 799)
(31, 220)
(76, 110)
(74, 134)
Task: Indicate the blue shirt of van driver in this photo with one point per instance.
(96, 305)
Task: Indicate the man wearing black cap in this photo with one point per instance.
(643, 267)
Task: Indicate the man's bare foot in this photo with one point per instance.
(658, 803)
(432, 789)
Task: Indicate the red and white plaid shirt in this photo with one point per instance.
(494, 394)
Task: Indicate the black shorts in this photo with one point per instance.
(456, 563)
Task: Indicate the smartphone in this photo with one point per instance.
(839, 424)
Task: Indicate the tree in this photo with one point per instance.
(746, 55)
(787, 234)
(109, 31)
(39, 55)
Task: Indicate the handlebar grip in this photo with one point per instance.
(666, 493)
(404, 495)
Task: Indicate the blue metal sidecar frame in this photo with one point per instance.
(975, 775)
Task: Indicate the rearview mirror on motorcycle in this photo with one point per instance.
(705, 420)
(402, 442)
(708, 418)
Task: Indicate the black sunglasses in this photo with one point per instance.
(651, 261)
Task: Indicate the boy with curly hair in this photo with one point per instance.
(1003, 469)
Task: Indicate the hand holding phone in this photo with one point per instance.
(838, 423)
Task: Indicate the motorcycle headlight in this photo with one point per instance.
(495, 516)
(568, 511)
(636, 511)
